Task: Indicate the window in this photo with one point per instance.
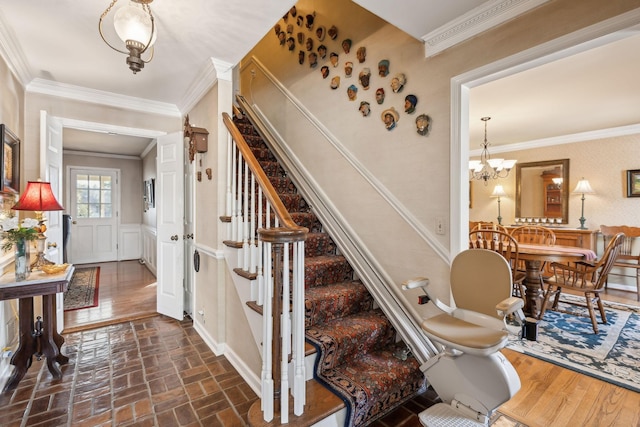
(93, 196)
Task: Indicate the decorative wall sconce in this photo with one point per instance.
(135, 26)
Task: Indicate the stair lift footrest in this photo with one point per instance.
(443, 415)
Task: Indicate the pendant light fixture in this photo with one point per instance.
(135, 26)
(487, 168)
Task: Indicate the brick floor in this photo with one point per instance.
(150, 372)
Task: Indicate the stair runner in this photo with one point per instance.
(354, 340)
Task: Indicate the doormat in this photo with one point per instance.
(567, 340)
(82, 291)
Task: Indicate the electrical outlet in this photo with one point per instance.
(441, 226)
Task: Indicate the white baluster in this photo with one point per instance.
(245, 219)
(252, 229)
(286, 337)
(230, 150)
(260, 276)
(234, 201)
(267, 403)
(299, 383)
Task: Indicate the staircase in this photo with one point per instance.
(358, 357)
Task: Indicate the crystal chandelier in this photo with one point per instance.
(135, 26)
(487, 168)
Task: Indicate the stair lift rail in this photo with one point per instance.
(278, 250)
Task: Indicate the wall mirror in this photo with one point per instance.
(542, 191)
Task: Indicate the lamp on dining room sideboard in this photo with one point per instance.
(583, 188)
(498, 192)
(38, 197)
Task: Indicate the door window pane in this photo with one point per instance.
(93, 196)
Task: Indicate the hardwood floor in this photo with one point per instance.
(126, 291)
(550, 395)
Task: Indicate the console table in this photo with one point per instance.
(41, 337)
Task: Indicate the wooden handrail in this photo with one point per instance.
(268, 190)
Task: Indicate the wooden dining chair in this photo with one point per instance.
(484, 225)
(503, 243)
(537, 235)
(629, 256)
(585, 277)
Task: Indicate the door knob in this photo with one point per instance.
(74, 222)
(174, 237)
(190, 236)
(52, 245)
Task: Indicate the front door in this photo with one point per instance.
(94, 211)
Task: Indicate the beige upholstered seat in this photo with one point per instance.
(584, 277)
(481, 287)
(629, 256)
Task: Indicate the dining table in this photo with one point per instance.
(535, 256)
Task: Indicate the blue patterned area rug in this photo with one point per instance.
(566, 340)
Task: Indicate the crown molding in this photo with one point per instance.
(94, 154)
(94, 96)
(213, 70)
(12, 53)
(472, 23)
(563, 139)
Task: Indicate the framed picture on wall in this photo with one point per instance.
(9, 161)
(633, 183)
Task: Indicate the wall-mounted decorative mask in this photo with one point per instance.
(390, 118)
(410, 102)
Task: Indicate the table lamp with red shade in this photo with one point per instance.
(38, 197)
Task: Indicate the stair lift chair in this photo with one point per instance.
(470, 375)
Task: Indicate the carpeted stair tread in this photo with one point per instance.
(345, 338)
(380, 382)
(322, 270)
(307, 219)
(282, 184)
(318, 244)
(325, 303)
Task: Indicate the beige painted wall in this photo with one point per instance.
(414, 169)
(130, 182)
(67, 108)
(603, 162)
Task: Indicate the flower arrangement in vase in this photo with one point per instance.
(17, 235)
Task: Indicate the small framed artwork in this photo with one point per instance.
(9, 161)
(633, 183)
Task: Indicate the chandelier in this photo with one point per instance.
(487, 168)
(135, 26)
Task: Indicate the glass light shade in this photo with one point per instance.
(132, 22)
(475, 164)
(583, 187)
(509, 164)
(496, 163)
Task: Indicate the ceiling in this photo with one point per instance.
(57, 44)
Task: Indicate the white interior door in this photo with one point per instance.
(94, 210)
(189, 231)
(51, 171)
(170, 225)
